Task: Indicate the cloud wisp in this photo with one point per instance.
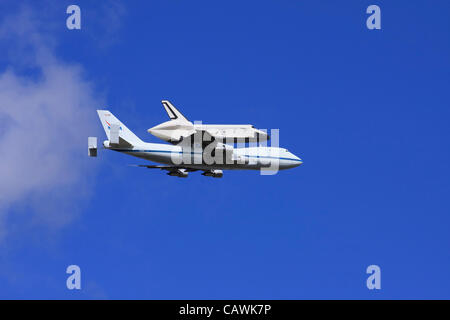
(47, 110)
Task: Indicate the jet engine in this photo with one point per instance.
(180, 173)
(213, 173)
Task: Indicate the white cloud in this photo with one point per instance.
(47, 110)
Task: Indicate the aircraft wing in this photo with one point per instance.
(182, 172)
(168, 168)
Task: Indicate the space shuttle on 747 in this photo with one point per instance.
(194, 147)
(178, 128)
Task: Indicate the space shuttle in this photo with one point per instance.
(178, 128)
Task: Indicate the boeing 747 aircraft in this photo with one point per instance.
(194, 147)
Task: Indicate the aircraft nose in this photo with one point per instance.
(298, 161)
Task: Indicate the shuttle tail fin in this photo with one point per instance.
(173, 113)
(116, 131)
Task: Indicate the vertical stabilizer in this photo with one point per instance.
(115, 130)
(173, 113)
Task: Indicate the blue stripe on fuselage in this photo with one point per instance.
(179, 152)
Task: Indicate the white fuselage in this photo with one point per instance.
(252, 158)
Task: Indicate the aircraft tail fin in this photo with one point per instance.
(116, 131)
(172, 111)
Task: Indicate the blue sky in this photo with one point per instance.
(367, 111)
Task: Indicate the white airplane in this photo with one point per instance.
(196, 147)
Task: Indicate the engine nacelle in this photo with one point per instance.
(180, 173)
(213, 173)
